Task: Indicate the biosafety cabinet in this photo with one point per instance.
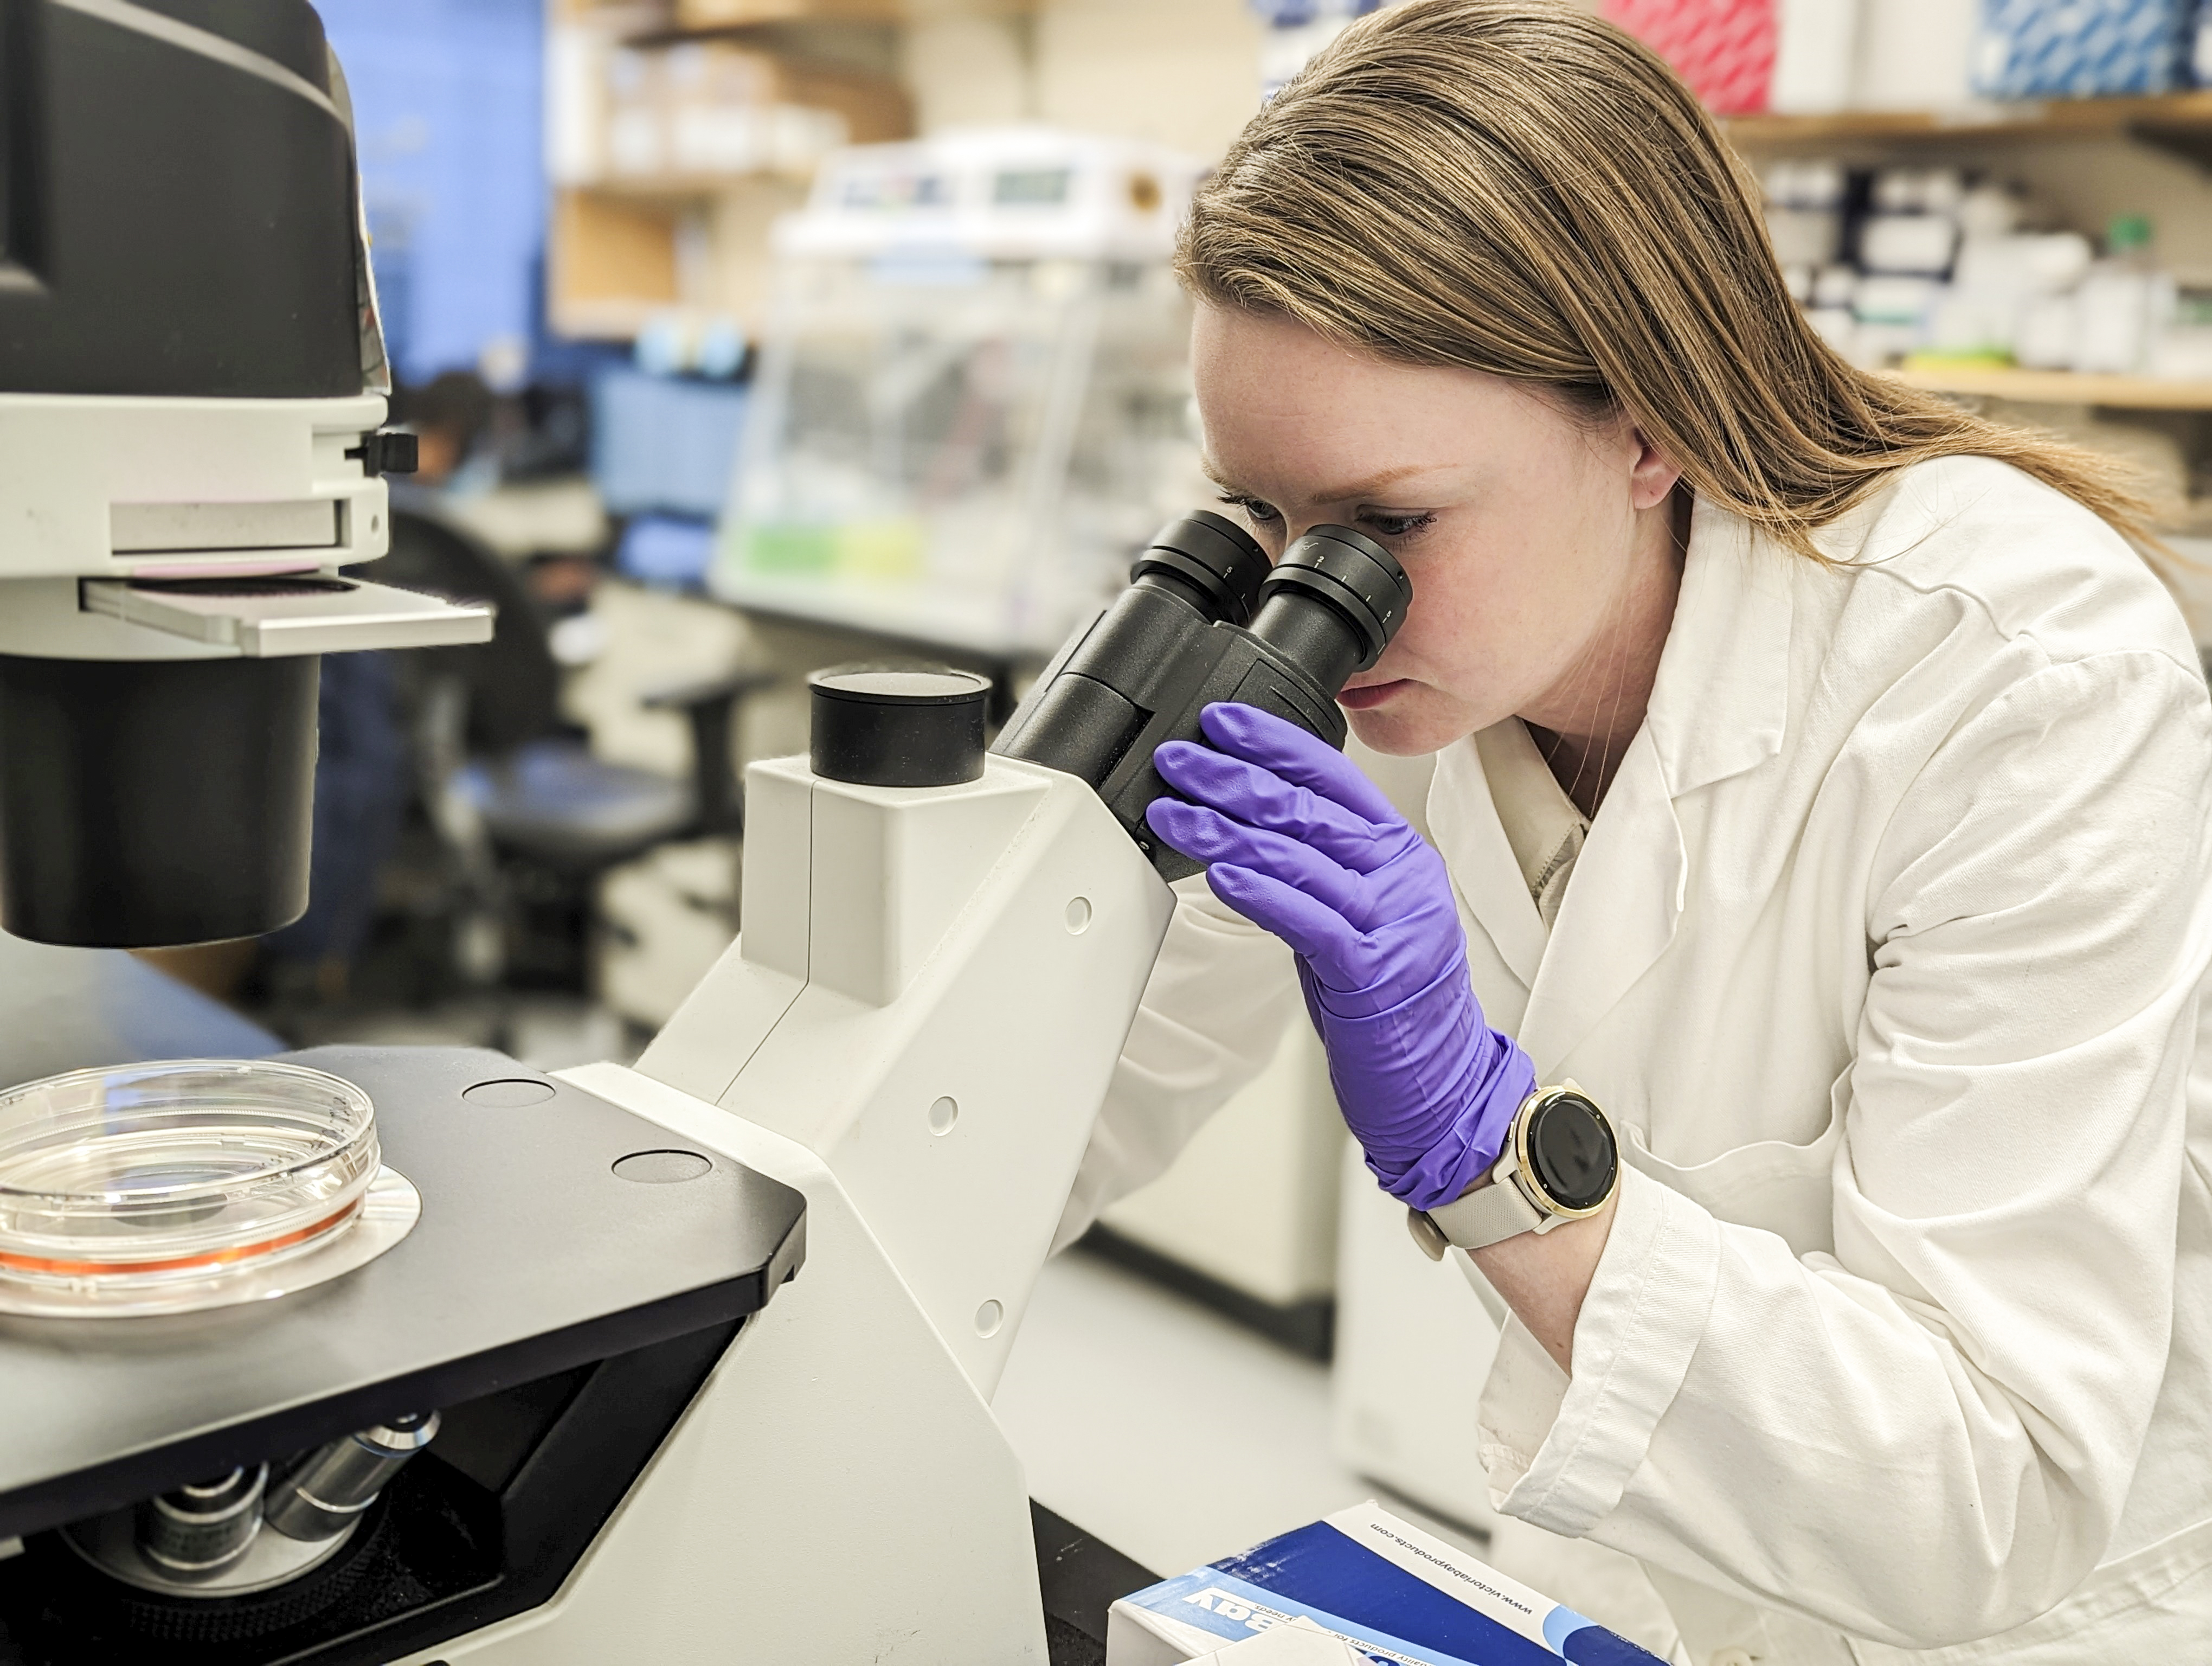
(972, 406)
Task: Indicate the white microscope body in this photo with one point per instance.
(915, 1030)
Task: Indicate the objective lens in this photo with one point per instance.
(329, 1489)
(199, 1529)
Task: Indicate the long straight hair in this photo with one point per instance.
(1524, 189)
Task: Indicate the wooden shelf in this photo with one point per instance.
(2062, 387)
(2179, 122)
(673, 191)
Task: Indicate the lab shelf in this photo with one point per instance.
(2062, 387)
(676, 190)
(2178, 122)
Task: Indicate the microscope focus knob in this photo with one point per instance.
(876, 727)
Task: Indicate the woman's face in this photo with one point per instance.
(1524, 526)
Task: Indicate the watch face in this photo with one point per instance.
(1571, 1151)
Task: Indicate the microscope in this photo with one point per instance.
(416, 1355)
(191, 395)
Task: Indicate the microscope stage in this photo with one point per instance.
(534, 1254)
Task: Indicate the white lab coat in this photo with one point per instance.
(1885, 954)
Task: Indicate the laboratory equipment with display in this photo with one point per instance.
(973, 401)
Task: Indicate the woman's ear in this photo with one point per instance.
(1651, 476)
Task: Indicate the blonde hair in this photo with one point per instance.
(1524, 189)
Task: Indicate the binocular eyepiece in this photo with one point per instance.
(1361, 590)
(1206, 618)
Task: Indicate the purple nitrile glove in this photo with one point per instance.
(1298, 842)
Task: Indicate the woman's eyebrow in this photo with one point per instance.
(1373, 483)
(1358, 489)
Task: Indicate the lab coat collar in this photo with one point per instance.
(1463, 817)
(1721, 702)
(1622, 904)
(1719, 707)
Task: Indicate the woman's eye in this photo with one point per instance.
(1259, 515)
(1396, 525)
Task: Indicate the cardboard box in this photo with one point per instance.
(1301, 1642)
(610, 263)
(728, 14)
(1724, 49)
(703, 108)
(2083, 48)
(1375, 1582)
(617, 261)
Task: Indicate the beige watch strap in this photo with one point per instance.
(1489, 1214)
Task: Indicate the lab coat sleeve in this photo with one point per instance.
(1927, 1437)
(1212, 1017)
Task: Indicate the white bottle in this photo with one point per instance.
(1829, 309)
(2119, 307)
(1915, 54)
(1815, 43)
(2046, 334)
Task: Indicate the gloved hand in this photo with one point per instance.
(1298, 842)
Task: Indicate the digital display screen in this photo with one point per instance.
(1032, 187)
(1570, 1152)
(895, 190)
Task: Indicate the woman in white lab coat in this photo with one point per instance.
(1822, 782)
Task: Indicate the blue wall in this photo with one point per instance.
(448, 109)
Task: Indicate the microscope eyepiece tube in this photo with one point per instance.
(1094, 701)
(196, 1530)
(325, 1493)
(1210, 562)
(1332, 603)
(1144, 670)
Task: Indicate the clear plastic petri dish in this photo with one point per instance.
(119, 1184)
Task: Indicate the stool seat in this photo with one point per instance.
(552, 800)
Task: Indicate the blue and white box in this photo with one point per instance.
(1400, 1596)
(2083, 48)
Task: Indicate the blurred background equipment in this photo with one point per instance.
(1246, 1220)
(1296, 29)
(971, 404)
(2004, 201)
(447, 108)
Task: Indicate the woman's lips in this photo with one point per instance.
(1367, 698)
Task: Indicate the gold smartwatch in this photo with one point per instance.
(1560, 1163)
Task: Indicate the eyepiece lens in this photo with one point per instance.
(1212, 561)
(1354, 580)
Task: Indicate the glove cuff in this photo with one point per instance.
(1500, 1081)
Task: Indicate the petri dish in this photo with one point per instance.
(121, 1186)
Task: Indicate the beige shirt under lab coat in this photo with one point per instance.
(1884, 953)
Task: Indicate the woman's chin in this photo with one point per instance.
(1402, 725)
